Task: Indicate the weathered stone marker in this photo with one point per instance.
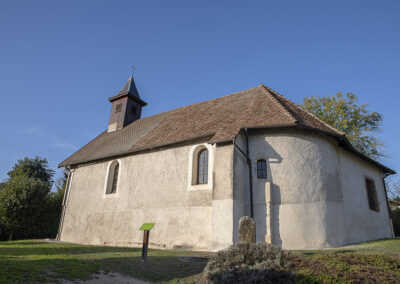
(146, 227)
(247, 230)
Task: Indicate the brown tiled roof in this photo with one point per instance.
(221, 119)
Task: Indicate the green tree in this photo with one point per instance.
(355, 121)
(22, 201)
(62, 182)
(55, 198)
(2, 225)
(28, 208)
(393, 190)
(37, 168)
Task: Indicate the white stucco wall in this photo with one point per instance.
(361, 223)
(316, 188)
(153, 187)
(318, 196)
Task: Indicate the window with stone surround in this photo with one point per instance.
(200, 167)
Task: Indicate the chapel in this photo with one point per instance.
(196, 170)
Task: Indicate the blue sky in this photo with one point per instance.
(61, 60)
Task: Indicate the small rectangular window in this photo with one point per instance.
(261, 169)
(118, 107)
(371, 193)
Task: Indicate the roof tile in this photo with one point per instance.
(221, 119)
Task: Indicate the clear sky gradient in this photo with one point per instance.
(61, 60)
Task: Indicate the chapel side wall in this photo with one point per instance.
(306, 204)
(222, 195)
(362, 224)
(152, 187)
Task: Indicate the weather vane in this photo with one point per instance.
(133, 69)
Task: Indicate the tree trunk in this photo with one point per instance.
(11, 235)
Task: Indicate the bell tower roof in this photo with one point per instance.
(130, 90)
(130, 87)
(126, 106)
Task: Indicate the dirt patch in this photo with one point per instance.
(107, 278)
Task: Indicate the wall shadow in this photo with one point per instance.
(275, 208)
(264, 150)
(157, 268)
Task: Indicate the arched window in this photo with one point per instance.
(112, 181)
(202, 166)
(261, 169)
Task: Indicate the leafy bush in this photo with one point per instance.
(21, 203)
(28, 207)
(250, 263)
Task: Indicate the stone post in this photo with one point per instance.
(247, 230)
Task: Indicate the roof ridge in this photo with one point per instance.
(305, 111)
(264, 88)
(219, 116)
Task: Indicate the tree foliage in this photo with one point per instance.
(37, 168)
(22, 201)
(393, 190)
(57, 196)
(28, 207)
(355, 121)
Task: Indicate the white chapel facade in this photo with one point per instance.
(196, 170)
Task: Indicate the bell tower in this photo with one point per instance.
(126, 106)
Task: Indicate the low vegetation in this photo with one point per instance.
(38, 261)
(251, 263)
(375, 262)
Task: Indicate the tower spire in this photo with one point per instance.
(126, 106)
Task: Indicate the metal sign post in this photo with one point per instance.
(146, 227)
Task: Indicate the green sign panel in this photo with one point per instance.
(147, 226)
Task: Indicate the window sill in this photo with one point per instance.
(373, 210)
(110, 195)
(202, 186)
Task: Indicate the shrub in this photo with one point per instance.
(249, 263)
(264, 263)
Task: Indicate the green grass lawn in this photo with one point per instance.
(37, 261)
(369, 262)
(388, 247)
